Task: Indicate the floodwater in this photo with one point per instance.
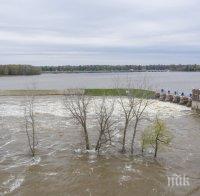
(62, 168)
(174, 81)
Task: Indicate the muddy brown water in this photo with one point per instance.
(61, 168)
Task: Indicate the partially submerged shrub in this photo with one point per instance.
(156, 135)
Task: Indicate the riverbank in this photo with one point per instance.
(90, 92)
(39, 92)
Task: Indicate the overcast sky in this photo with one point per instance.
(55, 32)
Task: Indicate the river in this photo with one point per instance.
(61, 169)
(174, 81)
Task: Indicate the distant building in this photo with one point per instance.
(196, 99)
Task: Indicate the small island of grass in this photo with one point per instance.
(139, 93)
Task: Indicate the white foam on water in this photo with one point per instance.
(13, 184)
(35, 160)
(54, 106)
(29, 162)
(2, 159)
(78, 151)
(9, 180)
(91, 152)
(52, 174)
(123, 179)
(16, 184)
(7, 143)
(130, 168)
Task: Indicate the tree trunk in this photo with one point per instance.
(134, 134)
(87, 144)
(156, 148)
(33, 126)
(142, 148)
(98, 142)
(124, 139)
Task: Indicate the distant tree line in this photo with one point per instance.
(36, 70)
(19, 70)
(120, 68)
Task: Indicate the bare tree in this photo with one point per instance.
(30, 123)
(128, 105)
(133, 101)
(138, 111)
(104, 116)
(78, 105)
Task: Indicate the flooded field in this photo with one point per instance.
(61, 167)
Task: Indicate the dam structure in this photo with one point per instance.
(193, 100)
(181, 99)
(196, 100)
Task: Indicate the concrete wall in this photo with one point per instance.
(196, 105)
(196, 95)
(196, 100)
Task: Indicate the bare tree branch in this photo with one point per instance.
(78, 105)
(104, 115)
(30, 127)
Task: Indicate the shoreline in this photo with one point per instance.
(89, 92)
(22, 92)
(96, 72)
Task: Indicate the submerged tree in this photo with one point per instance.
(133, 101)
(30, 124)
(104, 116)
(140, 106)
(160, 135)
(127, 104)
(156, 135)
(78, 105)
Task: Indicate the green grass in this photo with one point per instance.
(90, 92)
(122, 92)
(29, 92)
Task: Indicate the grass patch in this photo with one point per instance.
(29, 92)
(139, 93)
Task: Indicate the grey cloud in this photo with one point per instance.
(100, 32)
